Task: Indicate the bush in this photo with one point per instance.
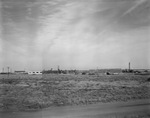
(9, 81)
(148, 79)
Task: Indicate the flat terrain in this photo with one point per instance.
(132, 109)
(35, 92)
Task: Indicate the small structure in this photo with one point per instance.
(20, 72)
(106, 71)
(34, 72)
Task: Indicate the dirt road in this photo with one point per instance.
(119, 109)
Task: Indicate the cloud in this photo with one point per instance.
(77, 34)
(86, 28)
(138, 3)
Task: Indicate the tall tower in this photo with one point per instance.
(129, 66)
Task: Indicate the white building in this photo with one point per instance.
(34, 72)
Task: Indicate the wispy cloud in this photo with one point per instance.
(74, 33)
(137, 3)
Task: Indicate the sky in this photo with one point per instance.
(74, 34)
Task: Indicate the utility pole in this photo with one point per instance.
(129, 66)
(58, 70)
(8, 70)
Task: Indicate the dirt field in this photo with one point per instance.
(132, 109)
(33, 92)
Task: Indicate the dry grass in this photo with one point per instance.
(39, 91)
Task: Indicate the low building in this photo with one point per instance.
(34, 72)
(20, 72)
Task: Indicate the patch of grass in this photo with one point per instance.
(57, 90)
